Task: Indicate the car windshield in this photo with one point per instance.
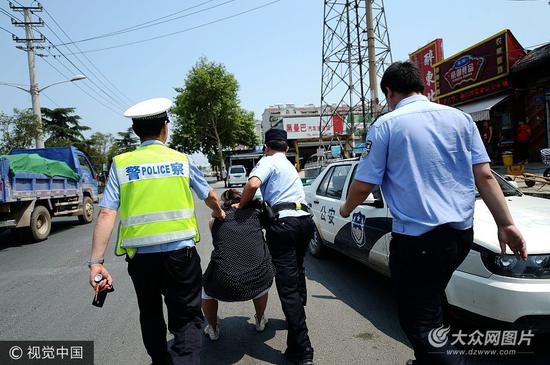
(507, 189)
(237, 170)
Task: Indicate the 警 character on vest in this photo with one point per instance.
(150, 188)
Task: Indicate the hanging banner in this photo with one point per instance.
(425, 58)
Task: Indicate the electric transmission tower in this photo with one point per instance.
(356, 52)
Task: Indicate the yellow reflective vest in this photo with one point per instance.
(156, 203)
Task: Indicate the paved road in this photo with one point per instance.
(45, 296)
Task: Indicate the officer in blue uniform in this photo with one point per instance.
(428, 159)
(169, 269)
(288, 235)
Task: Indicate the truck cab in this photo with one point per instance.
(29, 199)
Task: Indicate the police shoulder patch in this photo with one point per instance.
(368, 146)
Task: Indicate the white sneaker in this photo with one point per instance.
(213, 334)
(260, 323)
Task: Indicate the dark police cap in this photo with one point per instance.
(275, 135)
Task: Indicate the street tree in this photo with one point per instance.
(17, 130)
(63, 127)
(208, 114)
(98, 147)
(127, 141)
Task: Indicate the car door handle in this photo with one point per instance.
(316, 202)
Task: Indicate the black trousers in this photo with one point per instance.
(177, 276)
(288, 239)
(421, 268)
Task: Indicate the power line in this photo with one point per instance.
(83, 90)
(153, 22)
(7, 31)
(109, 98)
(128, 100)
(181, 31)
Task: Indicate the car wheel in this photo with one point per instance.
(546, 172)
(41, 223)
(88, 211)
(316, 246)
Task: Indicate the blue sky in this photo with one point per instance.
(274, 52)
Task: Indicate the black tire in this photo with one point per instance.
(546, 172)
(530, 183)
(88, 211)
(316, 246)
(41, 223)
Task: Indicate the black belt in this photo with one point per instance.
(289, 206)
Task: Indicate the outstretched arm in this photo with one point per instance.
(358, 192)
(249, 191)
(489, 189)
(213, 202)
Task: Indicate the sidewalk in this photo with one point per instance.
(537, 168)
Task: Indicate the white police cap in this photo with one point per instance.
(149, 109)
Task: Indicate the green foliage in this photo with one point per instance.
(127, 141)
(97, 147)
(17, 130)
(208, 113)
(63, 127)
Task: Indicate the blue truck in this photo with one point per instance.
(29, 200)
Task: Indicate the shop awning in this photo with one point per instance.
(480, 110)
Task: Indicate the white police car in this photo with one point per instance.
(486, 284)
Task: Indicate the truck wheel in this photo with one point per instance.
(41, 223)
(316, 245)
(530, 183)
(88, 208)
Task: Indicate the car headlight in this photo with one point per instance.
(536, 266)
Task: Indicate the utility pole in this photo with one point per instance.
(371, 51)
(29, 40)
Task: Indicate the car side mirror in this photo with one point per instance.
(373, 202)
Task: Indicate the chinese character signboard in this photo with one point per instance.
(479, 70)
(306, 127)
(425, 58)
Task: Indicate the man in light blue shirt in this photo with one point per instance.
(287, 237)
(428, 159)
(167, 265)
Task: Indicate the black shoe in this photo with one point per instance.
(299, 359)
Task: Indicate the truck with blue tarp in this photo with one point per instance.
(38, 184)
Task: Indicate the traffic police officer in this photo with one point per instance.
(428, 158)
(288, 235)
(151, 189)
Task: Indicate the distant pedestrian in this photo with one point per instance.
(487, 137)
(240, 267)
(428, 158)
(523, 137)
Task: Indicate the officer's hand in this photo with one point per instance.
(343, 213)
(219, 215)
(107, 281)
(511, 236)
